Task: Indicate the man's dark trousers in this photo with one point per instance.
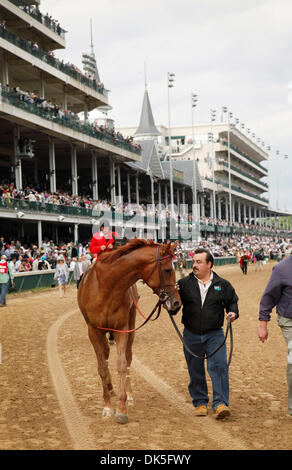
(216, 367)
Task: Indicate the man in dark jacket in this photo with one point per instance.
(279, 293)
(205, 296)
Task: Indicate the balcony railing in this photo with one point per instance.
(61, 209)
(36, 108)
(236, 188)
(48, 58)
(243, 155)
(224, 163)
(35, 13)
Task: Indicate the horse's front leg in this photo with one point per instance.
(131, 336)
(121, 342)
(101, 348)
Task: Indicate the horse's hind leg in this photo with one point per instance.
(101, 348)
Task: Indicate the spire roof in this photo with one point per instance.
(147, 126)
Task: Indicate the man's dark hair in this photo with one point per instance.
(209, 256)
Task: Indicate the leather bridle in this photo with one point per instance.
(160, 291)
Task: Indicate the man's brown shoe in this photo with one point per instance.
(222, 412)
(201, 411)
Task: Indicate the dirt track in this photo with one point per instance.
(51, 396)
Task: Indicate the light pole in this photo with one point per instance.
(211, 137)
(285, 189)
(194, 99)
(170, 80)
(268, 179)
(277, 175)
(229, 116)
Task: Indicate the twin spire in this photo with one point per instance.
(147, 125)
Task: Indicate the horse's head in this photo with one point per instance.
(160, 276)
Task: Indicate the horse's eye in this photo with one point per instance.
(168, 271)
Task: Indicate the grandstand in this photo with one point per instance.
(61, 174)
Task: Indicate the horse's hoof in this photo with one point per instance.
(121, 418)
(130, 400)
(107, 412)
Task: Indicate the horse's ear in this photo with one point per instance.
(169, 247)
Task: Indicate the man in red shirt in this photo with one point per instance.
(102, 241)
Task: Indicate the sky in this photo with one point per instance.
(234, 53)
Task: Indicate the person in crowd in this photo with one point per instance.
(12, 264)
(79, 269)
(244, 260)
(35, 263)
(6, 277)
(102, 241)
(205, 296)
(43, 263)
(62, 275)
(18, 263)
(259, 257)
(278, 292)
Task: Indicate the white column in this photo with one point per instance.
(40, 235)
(177, 198)
(94, 176)
(129, 187)
(137, 189)
(74, 170)
(249, 214)
(42, 88)
(211, 206)
(17, 160)
(159, 193)
(152, 190)
(119, 182)
(75, 233)
(226, 203)
(239, 211)
(166, 194)
(219, 208)
(112, 171)
(52, 166)
(233, 210)
(244, 213)
(85, 108)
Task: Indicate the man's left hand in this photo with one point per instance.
(231, 315)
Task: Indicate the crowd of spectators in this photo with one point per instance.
(54, 111)
(23, 257)
(47, 20)
(64, 198)
(49, 57)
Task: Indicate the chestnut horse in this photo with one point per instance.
(107, 295)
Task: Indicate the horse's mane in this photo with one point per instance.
(134, 244)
